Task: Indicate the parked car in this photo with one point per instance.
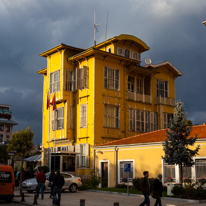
(71, 183)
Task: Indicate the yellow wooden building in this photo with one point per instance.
(102, 94)
(144, 152)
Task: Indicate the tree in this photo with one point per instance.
(189, 123)
(177, 145)
(21, 143)
(4, 156)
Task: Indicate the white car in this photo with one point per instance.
(71, 183)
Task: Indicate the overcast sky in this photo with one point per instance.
(172, 29)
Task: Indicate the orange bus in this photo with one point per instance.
(7, 183)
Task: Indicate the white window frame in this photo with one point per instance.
(137, 54)
(108, 79)
(162, 90)
(126, 160)
(83, 116)
(84, 154)
(137, 84)
(165, 119)
(130, 84)
(56, 119)
(109, 49)
(194, 173)
(55, 84)
(70, 80)
(115, 118)
(120, 51)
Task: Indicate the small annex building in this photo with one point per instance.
(145, 152)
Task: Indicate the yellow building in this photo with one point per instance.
(102, 94)
(144, 152)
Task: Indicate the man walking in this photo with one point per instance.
(40, 178)
(58, 183)
(145, 187)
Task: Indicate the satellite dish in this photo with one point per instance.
(148, 61)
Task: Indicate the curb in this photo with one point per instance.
(137, 195)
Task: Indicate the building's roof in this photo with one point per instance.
(6, 121)
(126, 38)
(36, 158)
(59, 47)
(155, 136)
(168, 65)
(5, 105)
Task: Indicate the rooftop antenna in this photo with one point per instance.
(106, 27)
(95, 28)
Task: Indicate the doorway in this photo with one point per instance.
(104, 174)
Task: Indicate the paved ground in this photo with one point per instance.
(92, 199)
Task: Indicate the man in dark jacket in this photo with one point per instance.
(145, 187)
(40, 178)
(58, 183)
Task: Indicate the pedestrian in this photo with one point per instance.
(40, 178)
(145, 187)
(15, 177)
(51, 176)
(35, 172)
(27, 174)
(58, 183)
(157, 190)
(23, 175)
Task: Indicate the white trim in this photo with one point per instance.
(100, 171)
(125, 160)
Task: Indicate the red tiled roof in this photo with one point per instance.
(155, 136)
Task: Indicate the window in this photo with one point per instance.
(136, 55)
(82, 78)
(124, 174)
(111, 116)
(8, 128)
(130, 84)
(162, 88)
(169, 171)
(83, 158)
(1, 127)
(120, 51)
(1, 137)
(139, 86)
(109, 50)
(127, 53)
(167, 117)
(111, 78)
(83, 115)
(187, 172)
(55, 82)
(134, 82)
(8, 136)
(71, 117)
(70, 80)
(141, 121)
(58, 119)
(200, 167)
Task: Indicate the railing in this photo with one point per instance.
(138, 97)
(164, 100)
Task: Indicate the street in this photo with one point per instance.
(92, 199)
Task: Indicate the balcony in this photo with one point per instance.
(165, 101)
(138, 97)
(5, 114)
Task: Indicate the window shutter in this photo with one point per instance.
(71, 117)
(85, 115)
(77, 148)
(81, 115)
(62, 116)
(78, 160)
(86, 149)
(53, 120)
(79, 78)
(151, 121)
(87, 161)
(85, 77)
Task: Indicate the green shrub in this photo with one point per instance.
(121, 186)
(164, 188)
(94, 181)
(136, 183)
(84, 187)
(177, 190)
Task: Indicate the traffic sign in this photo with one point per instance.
(127, 167)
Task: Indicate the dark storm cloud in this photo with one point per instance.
(171, 28)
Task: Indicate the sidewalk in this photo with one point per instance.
(95, 198)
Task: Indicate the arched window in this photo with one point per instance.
(1, 137)
(7, 136)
